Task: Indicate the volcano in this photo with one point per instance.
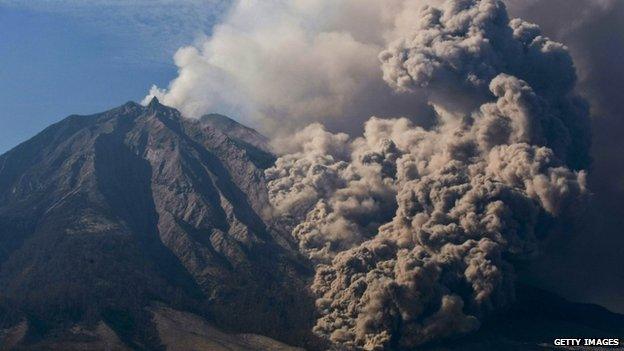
(105, 218)
(138, 229)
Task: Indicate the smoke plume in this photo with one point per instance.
(414, 230)
(477, 152)
(281, 65)
(592, 30)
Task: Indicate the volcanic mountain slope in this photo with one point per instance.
(138, 229)
(104, 216)
(239, 133)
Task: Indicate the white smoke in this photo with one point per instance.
(415, 230)
(283, 64)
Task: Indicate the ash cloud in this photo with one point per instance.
(285, 64)
(282, 65)
(415, 231)
(592, 30)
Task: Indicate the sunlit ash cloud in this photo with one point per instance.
(414, 229)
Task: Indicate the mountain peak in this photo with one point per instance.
(136, 205)
(154, 103)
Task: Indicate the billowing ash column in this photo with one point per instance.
(415, 231)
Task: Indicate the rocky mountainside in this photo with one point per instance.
(104, 216)
(237, 132)
(136, 229)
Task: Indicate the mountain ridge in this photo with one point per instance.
(134, 205)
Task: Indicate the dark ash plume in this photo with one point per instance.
(415, 231)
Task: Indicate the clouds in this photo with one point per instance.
(415, 230)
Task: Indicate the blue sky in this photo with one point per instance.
(62, 57)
